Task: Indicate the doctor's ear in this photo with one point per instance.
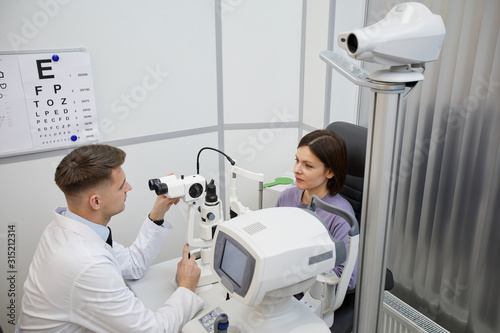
(95, 201)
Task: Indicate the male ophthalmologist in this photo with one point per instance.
(76, 280)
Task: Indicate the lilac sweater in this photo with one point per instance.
(338, 227)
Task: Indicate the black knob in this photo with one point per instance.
(195, 190)
(211, 195)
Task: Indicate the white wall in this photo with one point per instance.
(344, 94)
(255, 122)
(261, 54)
(321, 83)
(315, 70)
(127, 40)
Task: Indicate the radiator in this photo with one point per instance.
(399, 317)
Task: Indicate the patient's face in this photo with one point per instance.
(310, 173)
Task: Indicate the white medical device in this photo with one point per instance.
(265, 257)
(273, 253)
(187, 188)
(190, 189)
(410, 34)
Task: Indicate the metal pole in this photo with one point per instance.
(378, 196)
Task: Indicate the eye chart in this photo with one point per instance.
(46, 101)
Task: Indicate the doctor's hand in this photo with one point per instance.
(188, 272)
(161, 206)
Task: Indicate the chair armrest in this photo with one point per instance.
(352, 256)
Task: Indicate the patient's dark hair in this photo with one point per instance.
(87, 166)
(330, 149)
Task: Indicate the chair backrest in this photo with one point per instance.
(355, 140)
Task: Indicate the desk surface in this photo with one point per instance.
(159, 283)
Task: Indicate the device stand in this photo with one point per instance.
(384, 132)
(378, 199)
(207, 276)
(272, 315)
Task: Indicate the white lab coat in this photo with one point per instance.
(76, 284)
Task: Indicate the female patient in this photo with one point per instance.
(320, 169)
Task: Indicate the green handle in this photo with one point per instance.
(278, 181)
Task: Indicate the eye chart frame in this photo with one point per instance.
(47, 101)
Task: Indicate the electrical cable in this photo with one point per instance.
(220, 152)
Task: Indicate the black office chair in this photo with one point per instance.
(355, 138)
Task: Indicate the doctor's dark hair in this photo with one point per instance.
(87, 166)
(330, 149)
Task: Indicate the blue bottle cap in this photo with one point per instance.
(74, 138)
(55, 57)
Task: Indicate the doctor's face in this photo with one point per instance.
(115, 193)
